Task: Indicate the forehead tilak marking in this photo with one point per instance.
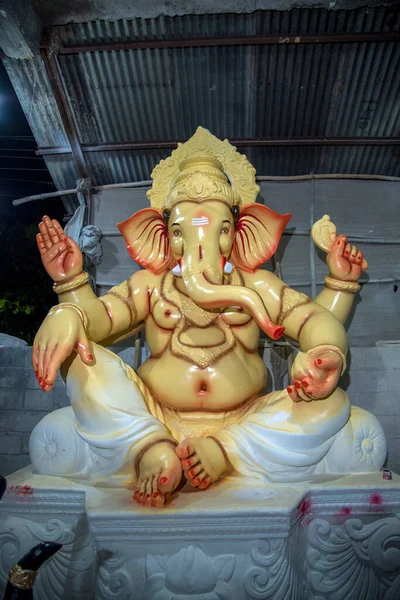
(197, 221)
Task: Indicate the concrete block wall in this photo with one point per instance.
(372, 382)
(22, 405)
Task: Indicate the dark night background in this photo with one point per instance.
(25, 288)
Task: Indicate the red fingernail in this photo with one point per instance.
(155, 495)
(40, 380)
(346, 253)
(297, 385)
(147, 495)
(319, 361)
(305, 383)
(90, 357)
(196, 480)
(191, 472)
(163, 480)
(289, 389)
(338, 243)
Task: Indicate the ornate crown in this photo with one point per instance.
(204, 167)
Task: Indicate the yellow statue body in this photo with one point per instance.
(196, 407)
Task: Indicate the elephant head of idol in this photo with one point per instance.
(203, 219)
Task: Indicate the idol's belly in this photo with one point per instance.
(182, 385)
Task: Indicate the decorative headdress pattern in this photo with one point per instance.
(204, 167)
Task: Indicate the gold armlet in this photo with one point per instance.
(71, 284)
(82, 314)
(331, 348)
(290, 300)
(342, 286)
(23, 579)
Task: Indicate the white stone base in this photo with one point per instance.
(337, 539)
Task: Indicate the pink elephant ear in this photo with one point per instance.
(146, 238)
(258, 231)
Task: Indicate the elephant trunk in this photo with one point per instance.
(204, 292)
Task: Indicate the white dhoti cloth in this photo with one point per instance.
(114, 418)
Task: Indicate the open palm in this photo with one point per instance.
(61, 257)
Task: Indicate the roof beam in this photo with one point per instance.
(20, 29)
(241, 143)
(66, 115)
(323, 38)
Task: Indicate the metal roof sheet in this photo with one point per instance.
(235, 91)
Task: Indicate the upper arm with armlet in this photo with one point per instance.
(269, 287)
(304, 320)
(127, 304)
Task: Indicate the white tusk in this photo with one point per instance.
(228, 268)
(177, 271)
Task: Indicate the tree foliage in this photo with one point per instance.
(25, 288)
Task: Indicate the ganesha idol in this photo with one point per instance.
(196, 412)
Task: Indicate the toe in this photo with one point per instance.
(140, 491)
(148, 492)
(194, 471)
(205, 483)
(195, 482)
(185, 449)
(189, 462)
(157, 499)
(166, 481)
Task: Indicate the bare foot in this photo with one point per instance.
(160, 472)
(203, 461)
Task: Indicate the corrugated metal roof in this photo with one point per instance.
(236, 92)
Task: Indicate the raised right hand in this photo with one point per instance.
(61, 257)
(59, 335)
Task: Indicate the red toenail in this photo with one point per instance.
(289, 389)
(187, 449)
(319, 361)
(141, 494)
(147, 495)
(163, 480)
(305, 383)
(196, 480)
(297, 385)
(191, 472)
(155, 495)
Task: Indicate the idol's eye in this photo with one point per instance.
(177, 233)
(225, 230)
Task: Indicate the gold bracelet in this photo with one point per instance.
(71, 284)
(342, 286)
(82, 314)
(330, 348)
(23, 579)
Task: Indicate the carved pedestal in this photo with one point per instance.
(336, 540)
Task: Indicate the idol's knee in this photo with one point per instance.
(55, 448)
